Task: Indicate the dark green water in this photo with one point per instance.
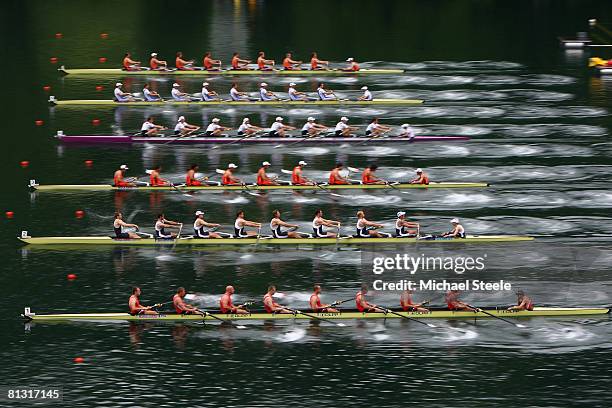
(491, 70)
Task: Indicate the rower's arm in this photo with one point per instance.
(210, 225)
(251, 224)
(284, 224)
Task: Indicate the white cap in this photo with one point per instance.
(405, 126)
(232, 166)
(216, 120)
(311, 119)
(205, 84)
(263, 84)
(302, 163)
(292, 84)
(279, 119)
(455, 221)
(175, 85)
(364, 88)
(118, 84)
(199, 212)
(344, 119)
(419, 170)
(266, 163)
(181, 118)
(245, 120)
(350, 59)
(123, 167)
(154, 54)
(400, 213)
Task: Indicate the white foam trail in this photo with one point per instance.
(292, 335)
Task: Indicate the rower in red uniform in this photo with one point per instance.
(296, 176)
(228, 178)
(183, 65)
(119, 177)
(264, 64)
(129, 64)
(270, 305)
(315, 61)
(362, 304)
(335, 177)
(190, 179)
(421, 178)
(289, 64)
(408, 305)
(226, 305)
(136, 308)
(523, 302)
(211, 64)
(262, 177)
(157, 64)
(155, 179)
(352, 65)
(453, 302)
(179, 303)
(316, 305)
(368, 176)
(239, 63)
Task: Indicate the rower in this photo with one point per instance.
(319, 222)
(179, 96)
(136, 308)
(311, 128)
(315, 61)
(265, 95)
(191, 180)
(214, 129)
(376, 129)
(289, 64)
(262, 177)
(119, 225)
(184, 65)
(315, 302)
(129, 64)
(457, 232)
(227, 306)
(367, 95)
(160, 227)
(211, 64)
(325, 94)
(270, 305)
(364, 232)
(264, 64)
(240, 223)
(183, 128)
(200, 224)
(149, 95)
(246, 129)
(336, 178)
(296, 175)
(236, 95)
(343, 129)
(362, 304)
(149, 128)
(119, 177)
(276, 225)
(421, 178)
(278, 129)
(179, 303)
(523, 302)
(207, 95)
(352, 65)
(156, 64)
(369, 177)
(406, 131)
(408, 305)
(453, 302)
(155, 179)
(228, 178)
(238, 63)
(401, 225)
(121, 96)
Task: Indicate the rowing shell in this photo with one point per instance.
(121, 72)
(108, 187)
(126, 139)
(349, 314)
(110, 102)
(470, 239)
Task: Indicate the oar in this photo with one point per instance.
(315, 184)
(295, 311)
(179, 138)
(178, 236)
(387, 310)
(374, 137)
(303, 139)
(238, 140)
(205, 313)
(520, 326)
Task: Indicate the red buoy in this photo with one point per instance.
(71, 276)
(39, 122)
(9, 214)
(53, 60)
(59, 35)
(88, 163)
(99, 87)
(46, 88)
(79, 214)
(24, 163)
(95, 122)
(79, 360)
(102, 60)
(104, 35)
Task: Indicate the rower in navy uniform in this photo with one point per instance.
(325, 94)
(319, 222)
(457, 232)
(119, 225)
(366, 229)
(200, 227)
(160, 228)
(402, 225)
(276, 225)
(240, 223)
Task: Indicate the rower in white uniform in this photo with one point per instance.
(149, 128)
(376, 129)
(160, 227)
(325, 94)
(296, 95)
(319, 222)
(402, 225)
(311, 128)
(215, 129)
(236, 95)
(367, 95)
(179, 96)
(367, 229)
(406, 131)
(120, 227)
(183, 128)
(278, 129)
(343, 129)
(276, 225)
(149, 95)
(121, 96)
(200, 227)
(457, 232)
(208, 95)
(265, 95)
(247, 129)
(241, 223)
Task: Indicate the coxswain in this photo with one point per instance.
(367, 229)
(119, 177)
(367, 95)
(406, 131)
(311, 128)
(375, 129)
(453, 302)
(208, 95)
(238, 63)
(421, 178)
(264, 64)
(121, 96)
(183, 128)
(369, 176)
(149, 95)
(270, 305)
(352, 65)
(276, 225)
(155, 179)
(215, 129)
(319, 222)
(296, 175)
(265, 95)
(240, 223)
(278, 129)
(228, 178)
(136, 308)
(296, 95)
(316, 64)
(227, 306)
(184, 65)
(211, 64)
(315, 302)
(149, 128)
(335, 177)
(362, 304)
(200, 225)
(457, 232)
(262, 177)
(343, 129)
(178, 301)
(191, 180)
(246, 129)
(236, 95)
(119, 225)
(408, 305)
(160, 227)
(179, 96)
(289, 64)
(325, 94)
(157, 64)
(401, 225)
(129, 64)
(523, 302)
